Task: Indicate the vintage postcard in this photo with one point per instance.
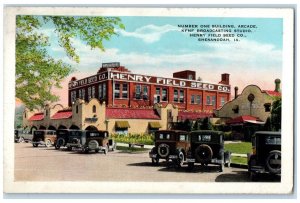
(148, 100)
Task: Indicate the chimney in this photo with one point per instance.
(236, 92)
(277, 85)
(224, 79)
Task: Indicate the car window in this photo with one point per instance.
(164, 136)
(182, 137)
(94, 134)
(270, 140)
(206, 138)
(199, 138)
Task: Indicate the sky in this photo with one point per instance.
(158, 46)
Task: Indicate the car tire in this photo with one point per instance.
(57, 146)
(106, 150)
(60, 142)
(48, 143)
(93, 145)
(274, 168)
(221, 167)
(163, 150)
(35, 145)
(203, 154)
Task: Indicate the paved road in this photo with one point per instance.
(48, 164)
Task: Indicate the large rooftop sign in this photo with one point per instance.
(129, 77)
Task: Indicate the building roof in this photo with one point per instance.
(37, 117)
(244, 119)
(62, 114)
(127, 113)
(182, 115)
(272, 93)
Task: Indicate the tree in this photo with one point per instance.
(276, 114)
(36, 71)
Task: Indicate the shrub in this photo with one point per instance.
(228, 135)
(141, 138)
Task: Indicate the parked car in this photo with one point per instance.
(44, 137)
(63, 137)
(207, 147)
(23, 136)
(266, 154)
(170, 145)
(91, 140)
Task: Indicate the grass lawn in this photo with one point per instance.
(239, 147)
(131, 149)
(239, 160)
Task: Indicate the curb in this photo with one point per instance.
(234, 165)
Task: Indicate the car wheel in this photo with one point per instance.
(57, 146)
(35, 145)
(163, 150)
(203, 154)
(273, 162)
(221, 167)
(48, 143)
(155, 161)
(21, 139)
(69, 148)
(180, 159)
(93, 145)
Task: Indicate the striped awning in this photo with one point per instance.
(122, 124)
(154, 124)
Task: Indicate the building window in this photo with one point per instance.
(93, 91)
(117, 90)
(94, 109)
(223, 101)
(76, 108)
(73, 96)
(213, 100)
(89, 93)
(175, 95)
(138, 91)
(198, 99)
(157, 91)
(145, 92)
(192, 99)
(80, 94)
(104, 91)
(125, 90)
(190, 77)
(164, 95)
(267, 107)
(208, 100)
(83, 94)
(181, 96)
(100, 93)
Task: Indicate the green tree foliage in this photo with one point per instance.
(36, 71)
(276, 114)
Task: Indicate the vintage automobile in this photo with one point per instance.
(44, 137)
(93, 140)
(170, 145)
(63, 138)
(266, 154)
(23, 136)
(207, 147)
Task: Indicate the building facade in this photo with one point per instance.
(118, 87)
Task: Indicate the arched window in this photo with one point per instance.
(94, 109)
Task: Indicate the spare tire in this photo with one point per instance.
(93, 145)
(163, 150)
(203, 153)
(273, 162)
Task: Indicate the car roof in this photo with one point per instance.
(267, 133)
(170, 131)
(206, 131)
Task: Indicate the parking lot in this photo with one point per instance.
(48, 164)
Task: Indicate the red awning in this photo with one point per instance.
(122, 113)
(244, 119)
(37, 117)
(273, 93)
(192, 115)
(62, 115)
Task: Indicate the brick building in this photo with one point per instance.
(118, 87)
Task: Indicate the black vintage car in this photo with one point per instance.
(94, 140)
(63, 137)
(207, 147)
(23, 136)
(170, 145)
(266, 154)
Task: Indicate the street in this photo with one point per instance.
(48, 164)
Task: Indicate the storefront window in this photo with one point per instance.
(198, 99)
(208, 100)
(138, 91)
(223, 100)
(145, 92)
(93, 91)
(117, 90)
(104, 91)
(213, 100)
(100, 91)
(192, 99)
(89, 93)
(125, 90)
(181, 96)
(164, 95)
(175, 95)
